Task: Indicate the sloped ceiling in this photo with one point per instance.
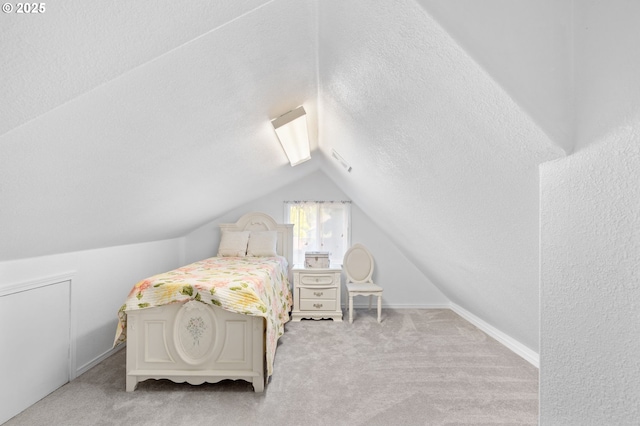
(441, 155)
(73, 47)
(141, 121)
(527, 47)
(607, 58)
(141, 127)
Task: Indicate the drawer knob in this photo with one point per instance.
(318, 293)
(317, 305)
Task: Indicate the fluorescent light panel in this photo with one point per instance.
(292, 132)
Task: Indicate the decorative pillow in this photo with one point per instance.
(233, 243)
(262, 243)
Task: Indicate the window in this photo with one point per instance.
(319, 226)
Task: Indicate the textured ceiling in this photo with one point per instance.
(526, 47)
(442, 157)
(163, 146)
(131, 122)
(607, 89)
(75, 46)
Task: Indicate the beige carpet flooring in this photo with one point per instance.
(418, 367)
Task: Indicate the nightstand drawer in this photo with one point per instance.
(317, 305)
(318, 293)
(316, 279)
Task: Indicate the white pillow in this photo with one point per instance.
(233, 243)
(262, 243)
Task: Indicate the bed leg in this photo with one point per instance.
(258, 384)
(132, 383)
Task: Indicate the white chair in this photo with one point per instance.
(358, 265)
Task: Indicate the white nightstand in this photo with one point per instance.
(316, 293)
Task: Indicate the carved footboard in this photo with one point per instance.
(194, 343)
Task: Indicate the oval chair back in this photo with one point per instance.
(358, 264)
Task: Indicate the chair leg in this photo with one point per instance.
(350, 308)
(370, 299)
(379, 308)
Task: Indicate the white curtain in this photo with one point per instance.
(319, 226)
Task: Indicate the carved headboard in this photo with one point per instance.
(263, 222)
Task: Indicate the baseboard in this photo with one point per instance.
(396, 306)
(88, 366)
(518, 348)
(512, 344)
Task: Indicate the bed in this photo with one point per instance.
(216, 319)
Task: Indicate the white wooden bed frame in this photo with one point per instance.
(234, 350)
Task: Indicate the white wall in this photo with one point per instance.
(404, 285)
(440, 154)
(34, 327)
(518, 43)
(607, 65)
(590, 233)
(101, 280)
(153, 152)
(590, 289)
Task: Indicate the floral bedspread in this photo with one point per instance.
(255, 286)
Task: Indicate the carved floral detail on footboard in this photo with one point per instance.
(196, 327)
(195, 332)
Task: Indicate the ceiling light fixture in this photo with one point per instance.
(292, 132)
